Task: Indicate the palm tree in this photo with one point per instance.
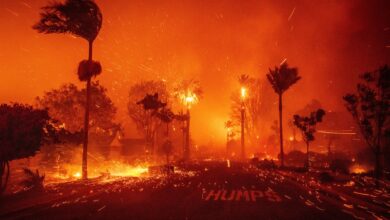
(281, 78)
(229, 134)
(33, 180)
(188, 92)
(81, 18)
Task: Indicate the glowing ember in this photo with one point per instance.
(189, 98)
(358, 169)
(243, 92)
(269, 157)
(77, 175)
(107, 169)
(130, 171)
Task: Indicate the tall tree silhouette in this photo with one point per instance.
(370, 109)
(146, 124)
(166, 115)
(188, 92)
(281, 79)
(307, 126)
(23, 130)
(81, 18)
(258, 103)
(66, 105)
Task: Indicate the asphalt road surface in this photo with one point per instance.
(202, 191)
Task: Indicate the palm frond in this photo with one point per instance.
(33, 179)
(282, 78)
(78, 17)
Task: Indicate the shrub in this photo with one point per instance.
(33, 179)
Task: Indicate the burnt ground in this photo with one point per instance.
(206, 190)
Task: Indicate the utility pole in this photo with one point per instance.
(187, 140)
(242, 131)
(243, 95)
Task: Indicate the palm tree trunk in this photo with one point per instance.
(281, 131)
(227, 145)
(167, 130)
(378, 154)
(1, 177)
(155, 140)
(187, 140)
(378, 169)
(378, 164)
(167, 134)
(307, 156)
(184, 129)
(4, 170)
(242, 131)
(86, 118)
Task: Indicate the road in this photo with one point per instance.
(203, 191)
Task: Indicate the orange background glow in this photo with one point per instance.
(330, 42)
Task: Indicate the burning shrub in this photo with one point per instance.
(33, 179)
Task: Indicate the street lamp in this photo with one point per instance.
(243, 96)
(243, 93)
(189, 99)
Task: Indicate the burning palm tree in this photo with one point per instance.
(188, 92)
(81, 18)
(281, 79)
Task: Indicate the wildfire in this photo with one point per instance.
(269, 157)
(129, 171)
(243, 92)
(109, 169)
(189, 98)
(357, 169)
(77, 175)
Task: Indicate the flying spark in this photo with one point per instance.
(12, 12)
(291, 14)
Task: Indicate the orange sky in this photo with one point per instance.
(331, 42)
